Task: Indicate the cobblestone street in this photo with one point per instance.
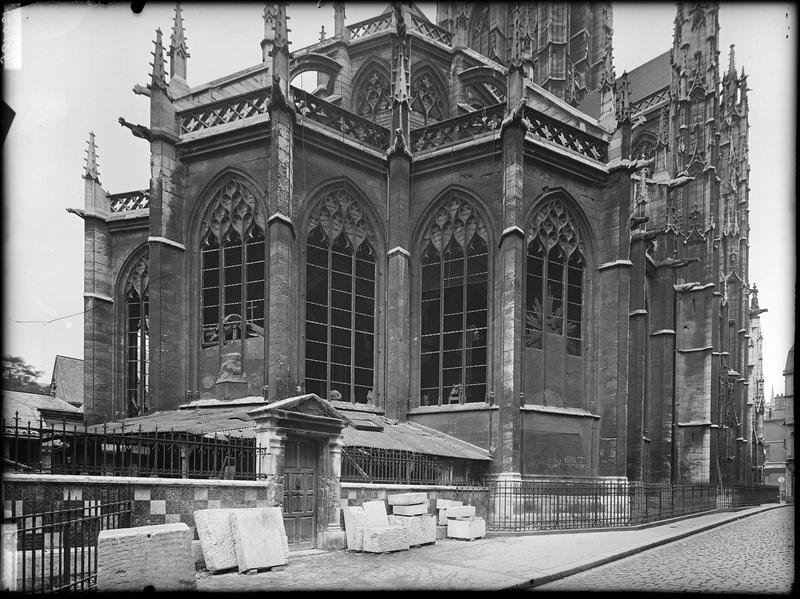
(753, 555)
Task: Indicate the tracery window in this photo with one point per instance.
(453, 310)
(340, 300)
(372, 95)
(137, 339)
(232, 267)
(425, 97)
(479, 33)
(554, 279)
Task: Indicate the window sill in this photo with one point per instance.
(466, 407)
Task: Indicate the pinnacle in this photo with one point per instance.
(91, 170)
(178, 38)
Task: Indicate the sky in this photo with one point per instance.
(69, 69)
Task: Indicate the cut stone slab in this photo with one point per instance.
(197, 556)
(461, 511)
(354, 519)
(385, 539)
(466, 528)
(407, 498)
(216, 538)
(258, 541)
(442, 504)
(375, 514)
(421, 529)
(441, 531)
(411, 510)
(157, 557)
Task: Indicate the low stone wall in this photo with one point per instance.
(358, 493)
(155, 500)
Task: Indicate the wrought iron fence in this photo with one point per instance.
(70, 449)
(540, 504)
(388, 466)
(56, 545)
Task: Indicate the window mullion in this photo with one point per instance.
(353, 327)
(329, 324)
(221, 295)
(463, 397)
(441, 328)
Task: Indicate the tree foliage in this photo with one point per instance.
(19, 375)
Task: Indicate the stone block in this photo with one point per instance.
(216, 538)
(466, 528)
(385, 538)
(441, 531)
(421, 529)
(375, 514)
(197, 556)
(411, 510)
(407, 498)
(146, 558)
(354, 518)
(258, 540)
(442, 504)
(460, 511)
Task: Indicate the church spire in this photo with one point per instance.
(158, 77)
(178, 50)
(91, 170)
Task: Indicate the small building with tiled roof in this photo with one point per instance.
(67, 381)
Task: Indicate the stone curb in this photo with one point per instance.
(535, 582)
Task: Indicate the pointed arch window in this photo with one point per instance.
(479, 32)
(425, 97)
(554, 279)
(232, 267)
(372, 96)
(454, 304)
(340, 300)
(137, 339)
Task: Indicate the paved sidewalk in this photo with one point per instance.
(493, 563)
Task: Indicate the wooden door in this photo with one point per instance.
(299, 494)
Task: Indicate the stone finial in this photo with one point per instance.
(754, 300)
(158, 78)
(178, 50)
(91, 170)
(732, 62)
(401, 82)
(281, 36)
(322, 34)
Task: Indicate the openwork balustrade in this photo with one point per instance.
(224, 111)
(130, 200)
(649, 102)
(370, 26)
(431, 31)
(460, 128)
(347, 123)
(559, 133)
(391, 466)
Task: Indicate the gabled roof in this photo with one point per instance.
(232, 422)
(31, 407)
(650, 77)
(68, 379)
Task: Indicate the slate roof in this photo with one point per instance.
(365, 429)
(650, 77)
(68, 377)
(646, 79)
(31, 407)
